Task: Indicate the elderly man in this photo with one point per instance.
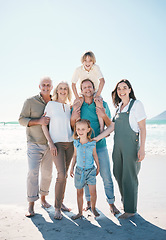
(32, 116)
(89, 111)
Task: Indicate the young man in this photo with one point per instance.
(90, 111)
(33, 117)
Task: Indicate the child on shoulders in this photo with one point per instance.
(88, 70)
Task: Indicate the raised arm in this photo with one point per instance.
(101, 111)
(101, 85)
(142, 127)
(74, 88)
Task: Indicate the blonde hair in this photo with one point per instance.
(90, 54)
(55, 94)
(75, 135)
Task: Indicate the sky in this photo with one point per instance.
(47, 38)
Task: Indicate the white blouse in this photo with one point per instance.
(59, 125)
(137, 114)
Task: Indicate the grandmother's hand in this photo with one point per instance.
(44, 120)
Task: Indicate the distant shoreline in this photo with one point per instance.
(148, 121)
(14, 122)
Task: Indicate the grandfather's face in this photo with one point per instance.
(45, 86)
(87, 89)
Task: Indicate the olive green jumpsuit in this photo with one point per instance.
(125, 160)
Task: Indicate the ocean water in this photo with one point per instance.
(13, 140)
(156, 138)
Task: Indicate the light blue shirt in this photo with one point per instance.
(84, 158)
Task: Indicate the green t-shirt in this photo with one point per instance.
(89, 112)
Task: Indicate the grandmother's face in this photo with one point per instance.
(62, 90)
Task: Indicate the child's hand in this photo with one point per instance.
(100, 112)
(78, 102)
(98, 101)
(97, 171)
(72, 172)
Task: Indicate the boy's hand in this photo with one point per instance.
(78, 102)
(98, 101)
(100, 112)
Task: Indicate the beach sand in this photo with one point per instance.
(149, 223)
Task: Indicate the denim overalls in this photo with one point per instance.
(126, 165)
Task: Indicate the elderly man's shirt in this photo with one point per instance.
(33, 108)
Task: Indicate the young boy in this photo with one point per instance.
(88, 70)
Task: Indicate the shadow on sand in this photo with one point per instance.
(136, 228)
(102, 227)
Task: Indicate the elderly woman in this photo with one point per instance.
(60, 140)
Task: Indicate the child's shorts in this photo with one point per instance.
(83, 177)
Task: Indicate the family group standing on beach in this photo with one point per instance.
(58, 132)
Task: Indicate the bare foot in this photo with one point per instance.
(58, 214)
(126, 215)
(79, 215)
(113, 209)
(95, 212)
(30, 212)
(44, 203)
(88, 206)
(64, 208)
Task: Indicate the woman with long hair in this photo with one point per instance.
(129, 126)
(59, 136)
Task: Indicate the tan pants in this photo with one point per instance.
(62, 162)
(39, 157)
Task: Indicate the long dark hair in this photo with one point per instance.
(116, 100)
